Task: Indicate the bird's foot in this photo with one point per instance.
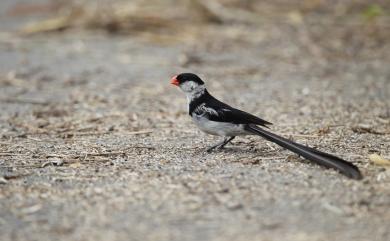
(216, 148)
(220, 145)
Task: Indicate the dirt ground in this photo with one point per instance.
(95, 144)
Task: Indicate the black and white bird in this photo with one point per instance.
(217, 118)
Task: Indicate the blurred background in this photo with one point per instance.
(323, 29)
(96, 145)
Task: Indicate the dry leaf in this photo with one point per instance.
(295, 17)
(3, 180)
(49, 25)
(75, 165)
(378, 160)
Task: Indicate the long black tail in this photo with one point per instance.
(311, 154)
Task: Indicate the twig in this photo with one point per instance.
(46, 163)
(217, 12)
(57, 162)
(24, 101)
(34, 139)
(270, 146)
(23, 166)
(267, 157)
(83, 156)
(303, 135)
(142, 147)
(85, 128)
(25, 134)
(68, 132)
(93, 133)
(92, 154)
(138, 132)
(270, 158)
(257, 158)
(106, 132)
(11, 154)
(54, 155)
(16, 176)
(105, 153)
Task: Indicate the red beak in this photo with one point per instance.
(174, 81)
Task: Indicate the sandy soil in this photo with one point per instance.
(96, 145)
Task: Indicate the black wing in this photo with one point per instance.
(221, 112)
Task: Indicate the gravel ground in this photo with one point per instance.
(96, 145)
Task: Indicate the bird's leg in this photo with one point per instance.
(216, 145)
(221, 144)
(226, 141)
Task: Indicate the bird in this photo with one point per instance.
(217, 118)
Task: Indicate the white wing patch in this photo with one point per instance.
(203, 108)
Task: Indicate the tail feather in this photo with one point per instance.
(309, 153)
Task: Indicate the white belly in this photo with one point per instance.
(219, 128)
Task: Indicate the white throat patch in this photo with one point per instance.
(192, 90)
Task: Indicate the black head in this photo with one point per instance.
(185, 77)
